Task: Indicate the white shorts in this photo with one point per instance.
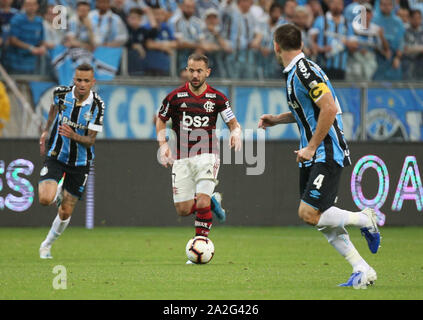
(193, 175)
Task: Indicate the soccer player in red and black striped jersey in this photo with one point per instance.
(194, 109)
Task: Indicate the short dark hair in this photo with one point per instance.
(136, 10)
(199, 57)
(415, 11)
(275, 6)
(288, 37)
(85, 67)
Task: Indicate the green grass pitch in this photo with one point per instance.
(249, 263)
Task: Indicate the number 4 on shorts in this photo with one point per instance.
(318, 181)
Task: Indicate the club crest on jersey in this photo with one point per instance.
(88, 116)
(209, 106)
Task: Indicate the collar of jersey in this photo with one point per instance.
(193, 94)
(89, 100)
(293, 62)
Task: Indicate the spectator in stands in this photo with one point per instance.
(413, 47)
(53, 36)
(118, 7)
(268, 67)
(202, 5)
(213, 44)
(161, 47)
(415, 5)
(316, 10)
(404, 15)
(369, 41)
(107, 26)
(329, 39)
(146, 6)
(244, 35)
(301, 19)
(81, 33)
(26, 39)
(393, 28)
(260, 10)
(6, 14)
(136, 44)
(187, 28)
(288, 11)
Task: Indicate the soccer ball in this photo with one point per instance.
(200, 250)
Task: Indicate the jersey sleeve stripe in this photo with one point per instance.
(306, 74)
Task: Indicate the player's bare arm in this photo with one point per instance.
(51, 116)
(165, 152)
(88, 140)
(270, 120)
(328, 111)
(235, 137)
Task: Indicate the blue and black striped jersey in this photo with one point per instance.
(82, 117)
(305, 85)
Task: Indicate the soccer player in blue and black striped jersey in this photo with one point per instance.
(322, 154)
(77, 114)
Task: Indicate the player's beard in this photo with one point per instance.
(197, 86)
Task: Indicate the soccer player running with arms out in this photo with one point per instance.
(322, 154)
(194, 109)
(77, 113)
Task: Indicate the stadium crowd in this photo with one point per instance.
(352, 39)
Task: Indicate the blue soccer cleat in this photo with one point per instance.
(360, 279)
(216, 207)
(371, 233)
(356, 280)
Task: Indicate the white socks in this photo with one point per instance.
(335, 217)
(56, 230)
(340, 240)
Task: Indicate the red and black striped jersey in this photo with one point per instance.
(194, 119)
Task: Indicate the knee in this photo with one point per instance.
(64, 215)
(45, 200)
(308, 216)
(203, 201)
(65, 212)
(183, 209)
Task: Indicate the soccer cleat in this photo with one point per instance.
(45, 253)
(371, 233)
(371, 277)
(358, 280)
(189, 262)
(216, 205)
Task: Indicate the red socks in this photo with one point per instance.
(203, 221)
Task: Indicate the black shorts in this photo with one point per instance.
(75, 178)
(319, 184)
